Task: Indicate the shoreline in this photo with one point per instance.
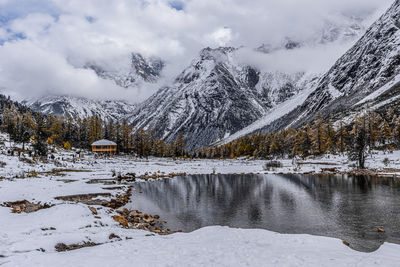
(82, 200)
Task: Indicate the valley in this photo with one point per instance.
(199, 133)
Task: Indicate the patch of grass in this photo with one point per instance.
(26, 160)
(61, 172)
(33, 174)
(316, 163)
(61, 247)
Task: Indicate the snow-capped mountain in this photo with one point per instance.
(368, 71)
(341, 30)
(141, 70)
(367, 76)
(217, 98)
(81, 107)
(213, 98)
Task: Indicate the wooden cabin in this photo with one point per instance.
(104, 146)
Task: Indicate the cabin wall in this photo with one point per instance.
(104, 149)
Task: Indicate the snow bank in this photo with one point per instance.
(217, 246)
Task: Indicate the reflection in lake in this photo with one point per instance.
(349, 208)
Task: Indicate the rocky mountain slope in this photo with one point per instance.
(217, 98)
(213, 98)
(140, 71)
(341, 30)
(366, 77)
(81, 107)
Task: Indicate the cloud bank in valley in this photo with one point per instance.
(44, 44)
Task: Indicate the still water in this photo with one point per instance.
(344, 207)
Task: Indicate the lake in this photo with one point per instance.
(345, 207)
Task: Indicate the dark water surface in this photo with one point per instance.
(349, 208)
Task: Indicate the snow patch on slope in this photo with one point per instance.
(77, 107)
(380, 91)
(335, 93)
(274, 114)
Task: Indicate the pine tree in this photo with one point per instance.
(274, 149)
(9, 119)
(385, 132)
(304, 141)
(373, 129)
(396, 132)
(318, 137)
(390, 116)
(28, 128)
(41, 135)
(180, 146)
(118, 135)
(95, 129)
(359, 145)
(141, 144)
(70, 129)
(126, 132)
(330, 136)
(55, 129)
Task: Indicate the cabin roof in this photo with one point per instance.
(104, 142)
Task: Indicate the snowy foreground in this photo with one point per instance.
(29, 239)
(216, 246)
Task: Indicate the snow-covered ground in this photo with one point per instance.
(29, 239)
(216, 246)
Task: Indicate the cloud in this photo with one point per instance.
(46, 43)
(220, 37)
(312, 59)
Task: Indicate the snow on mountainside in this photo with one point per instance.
(81, 107)
(371, 63)
(342, 29)
(213, 98)
(140, 71)
(218, 98)
(366, 76)
(278, 111)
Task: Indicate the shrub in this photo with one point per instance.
(272, 164)
(40, 148)
(386, 161)
(67, 145)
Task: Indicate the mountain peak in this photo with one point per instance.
(141, 70)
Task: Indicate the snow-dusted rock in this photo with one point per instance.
(78, 107)
(140, 71)
(366, 76)
(213, 98)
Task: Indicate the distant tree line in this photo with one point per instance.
(366, 132)
(356, 138)
(24, 126)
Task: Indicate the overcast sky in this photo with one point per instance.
(44, 44)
